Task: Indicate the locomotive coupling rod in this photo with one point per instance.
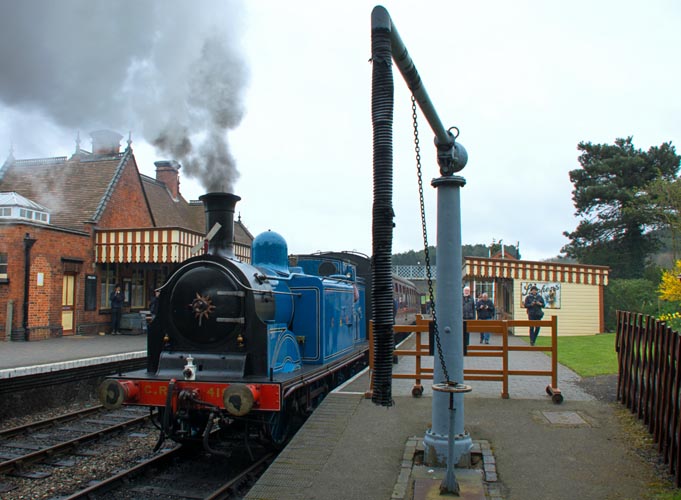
(451, 156)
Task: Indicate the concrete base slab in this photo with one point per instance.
(427, 483)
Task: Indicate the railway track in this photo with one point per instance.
(30, 453)
(49, 441)
(176, 474)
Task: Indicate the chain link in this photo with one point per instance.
(431, 296)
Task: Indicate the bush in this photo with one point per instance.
(638, 295)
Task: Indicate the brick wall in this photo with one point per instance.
(44, 305)
(127, 206)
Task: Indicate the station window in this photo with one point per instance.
(107, 285)
(137, 292)
(3, 266)
(487, 287)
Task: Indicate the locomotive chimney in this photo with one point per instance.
(219, 208)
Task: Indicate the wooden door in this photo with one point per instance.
(68, 303)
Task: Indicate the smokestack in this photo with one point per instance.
(106, 142)
(219, 208)
(168, 172)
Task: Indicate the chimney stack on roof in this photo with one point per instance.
(168, 172)
(106, 142)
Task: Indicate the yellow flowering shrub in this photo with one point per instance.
(670, 285)
(669, 316)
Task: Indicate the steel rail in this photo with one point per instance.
(224, 492)
(59, 419)
(110, 483)
(18, 463)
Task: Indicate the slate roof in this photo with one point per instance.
(168, 212)
(189, 215)
(74, 191)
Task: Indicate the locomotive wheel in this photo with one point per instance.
(279, 429)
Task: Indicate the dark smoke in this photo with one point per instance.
(168, 70)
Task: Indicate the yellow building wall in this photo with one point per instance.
(578, 314)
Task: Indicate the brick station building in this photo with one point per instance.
(71, 228)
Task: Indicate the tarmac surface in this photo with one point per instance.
(350, 448)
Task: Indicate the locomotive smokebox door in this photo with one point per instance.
(207, 306)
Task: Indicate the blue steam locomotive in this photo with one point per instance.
(251, 345)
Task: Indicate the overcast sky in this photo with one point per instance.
(524, 82)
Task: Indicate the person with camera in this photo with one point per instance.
(485, 308)
(534, 303)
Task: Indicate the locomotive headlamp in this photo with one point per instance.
(113, 393)
(189, 370)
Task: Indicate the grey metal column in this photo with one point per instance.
(448, 308)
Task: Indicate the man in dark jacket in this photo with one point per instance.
(485, 308)
(468, 304)
(534, 304)
(153, 305)
(117, 299)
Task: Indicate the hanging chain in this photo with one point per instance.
(431, 297)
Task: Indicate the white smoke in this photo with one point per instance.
(169, 70)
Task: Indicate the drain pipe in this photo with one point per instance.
(28, 243)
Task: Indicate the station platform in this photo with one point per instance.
(19, 359)
(527, 446)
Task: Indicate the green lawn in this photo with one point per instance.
(588, 355)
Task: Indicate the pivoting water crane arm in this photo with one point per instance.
(451, 156)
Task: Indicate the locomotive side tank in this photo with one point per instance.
(232, 341)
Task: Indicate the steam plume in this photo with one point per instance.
(169, 70)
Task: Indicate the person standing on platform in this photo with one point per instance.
(153, 305)
(468, 312)
(534, 303)
(117, 299)
(485, 308)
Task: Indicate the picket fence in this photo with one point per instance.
(649, 381)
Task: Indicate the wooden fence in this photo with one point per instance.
(649, 381)
(423, 348)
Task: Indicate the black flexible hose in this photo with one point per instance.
(382, 90)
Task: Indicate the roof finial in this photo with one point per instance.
(10, 156)
(129, 139)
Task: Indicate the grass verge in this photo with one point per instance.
(587, 355)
